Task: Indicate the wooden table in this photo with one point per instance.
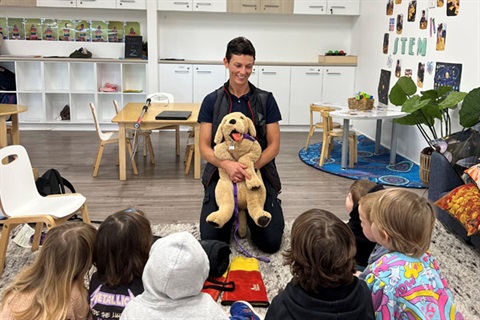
(7, 110)
(127, 117)
(377, 114)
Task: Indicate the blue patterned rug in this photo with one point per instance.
(370, 166)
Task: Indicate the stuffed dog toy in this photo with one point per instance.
(234, 140)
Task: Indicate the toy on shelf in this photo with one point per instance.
(362, 101)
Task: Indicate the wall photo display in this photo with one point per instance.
(384, 86)
(447, 74)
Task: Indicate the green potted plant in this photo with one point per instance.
(424, 111)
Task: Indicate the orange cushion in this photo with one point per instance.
(463, 203)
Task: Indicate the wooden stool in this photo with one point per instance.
(188, 159)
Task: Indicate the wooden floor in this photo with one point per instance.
(162, 190)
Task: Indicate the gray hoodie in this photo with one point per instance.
(173, 279)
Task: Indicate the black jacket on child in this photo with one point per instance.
(350, 302)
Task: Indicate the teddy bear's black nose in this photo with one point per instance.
(233, 121)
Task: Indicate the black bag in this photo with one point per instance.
(7, 80)
(65, 113)
(218, 253)
(51, 182)
(81, 53)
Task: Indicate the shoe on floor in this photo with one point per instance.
(243, 310)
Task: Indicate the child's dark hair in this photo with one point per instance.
(122, 247)
(240, 46)
(322, 251)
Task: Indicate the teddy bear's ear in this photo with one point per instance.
(219, 134)
(251, 127)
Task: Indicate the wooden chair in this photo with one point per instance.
(317, 125)
(329, 133)
(106, 138)
(21, 202)
(147, 142)
(163, 97)
(189, 152)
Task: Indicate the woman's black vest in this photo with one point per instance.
(258, 103)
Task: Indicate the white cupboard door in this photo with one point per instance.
(177, 79)
(174, 5)
(338, 84)
(207, 78)
(343, 7)
(305, 88)
(57, 3)
(310, 7)
(107, 4)
(132, 4)
(210, 5)
(276, 79)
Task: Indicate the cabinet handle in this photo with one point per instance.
(271, 6)
(316, 7)
(204, 71)
(338, 7)
(249, 5)
(333, 72)
(269, 72)
(181, 2)
(203, 4)
(182, 71)
(81, 2)
(130, 1)
(312, 72)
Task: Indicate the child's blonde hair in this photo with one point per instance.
(359, 188)
(407, 218)
(367, 202)
(61, 264)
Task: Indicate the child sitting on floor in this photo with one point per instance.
(364, 209)
(121, 252)
(173, 279)
(321, 259)
(52, 287)
(406, 283)
(358, 189)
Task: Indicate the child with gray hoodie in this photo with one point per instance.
(173, 279)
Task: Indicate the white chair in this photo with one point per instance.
(147, 142)
(106, 138)
(21, 203)
(163, 97)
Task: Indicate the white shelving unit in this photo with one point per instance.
(46, 86)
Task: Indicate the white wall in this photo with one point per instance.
(462, 46)
(277, 38)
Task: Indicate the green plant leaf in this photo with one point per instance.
(414, 103)
(402, 90)
(443, 90)
(452, 100)
(470, 110)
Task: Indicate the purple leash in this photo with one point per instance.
(237, 225)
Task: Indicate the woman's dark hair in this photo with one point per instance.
(322, 251)
(240, 46)
(122, 247)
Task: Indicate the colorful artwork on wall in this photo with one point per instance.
(453, 6)
(448, 74)
(384, 86)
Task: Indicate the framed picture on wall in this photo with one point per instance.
(447, 74)
(384, 86)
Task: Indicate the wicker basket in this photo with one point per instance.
(362, 104)
(425, 168)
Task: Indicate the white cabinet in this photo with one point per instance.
(276, 79)
(338, 84)
(131, 4)
(305, 88)
(177, 79)
(190, 83)
(45, 87)
(336, 7)
(260, 6)
(207, 78)
(192, 5)
(108, 4)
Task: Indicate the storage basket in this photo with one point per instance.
(425, 168)
(362, 104)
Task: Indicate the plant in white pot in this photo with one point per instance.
(429, 111)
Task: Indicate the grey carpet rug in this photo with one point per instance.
(459, 263)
